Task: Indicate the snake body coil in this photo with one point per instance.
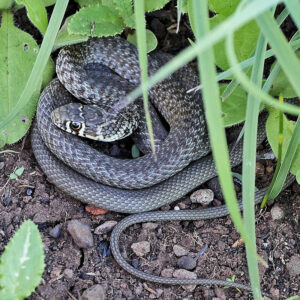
(128, 186)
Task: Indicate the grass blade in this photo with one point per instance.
(139, 12)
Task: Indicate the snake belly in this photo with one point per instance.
(55, 149)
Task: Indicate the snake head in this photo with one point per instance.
(94, 122)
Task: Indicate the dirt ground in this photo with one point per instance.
(71, 270)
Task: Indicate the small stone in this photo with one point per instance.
(186, 262)
(56, 231)
(94, 210)
(150, 226)
(81, 234)
(105, 227)
(294, 265)
(259, 169)
(68, 273)
(167, 272)
(275, 293)
(141, 248)
(97, 291)
(182, 205)
(55, 273)
(181, 273)
(179, 250)
(176, 207)
(204, 196)
(29, 192)
(159, 292)
(135, 263)
(7, 201)
(277, 213)
(1, 165)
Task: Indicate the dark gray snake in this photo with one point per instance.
(129, 186)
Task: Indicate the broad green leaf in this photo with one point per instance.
(226, 7)
(245, 38)
(123, 9)
(272, 134)
(85, 3)
(7, 295)
(48, 2)
(282, 86)
(19, 171)
(151, 40)
(151, 5)
(234, 107)
(64, 38)
(135, 152)
(36, 13)
(95, 21)
(5, 4)
(22, 262)
(13, 176)
(18, 51)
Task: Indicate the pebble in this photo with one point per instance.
(269, 169)
(294, 265)
(104, 249)
(29, 192)
(81, 234)
(2, 164)
(277, 213)
(181, 273)
(97, 291)
(141, 248)
(150, 226)
(259, 169)
(203, 196)
(7, 201)
(105, 227)
(179, 250)
(167, 272)
(135, 263)
(214, 185)
(56, 231)
(186, 262)
(68, 273)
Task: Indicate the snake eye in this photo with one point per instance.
(76, 126)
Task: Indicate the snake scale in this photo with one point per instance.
(129, 186)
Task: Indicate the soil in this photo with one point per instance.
(70, 270)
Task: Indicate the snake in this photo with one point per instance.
(181, 162)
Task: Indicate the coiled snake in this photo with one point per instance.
(128, 186)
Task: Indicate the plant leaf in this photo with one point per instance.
(19, 171)
(288, 129)
(282, 86)
(123, 9)
(151, 5)
(18, 51)
(151, 40)
(95, 21)
(36, 13)
(245, 38)
(13, 176)
(234, 107)
(22, 262)
(64, 38)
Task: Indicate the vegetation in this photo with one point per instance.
(235, 39)
(22, 263)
